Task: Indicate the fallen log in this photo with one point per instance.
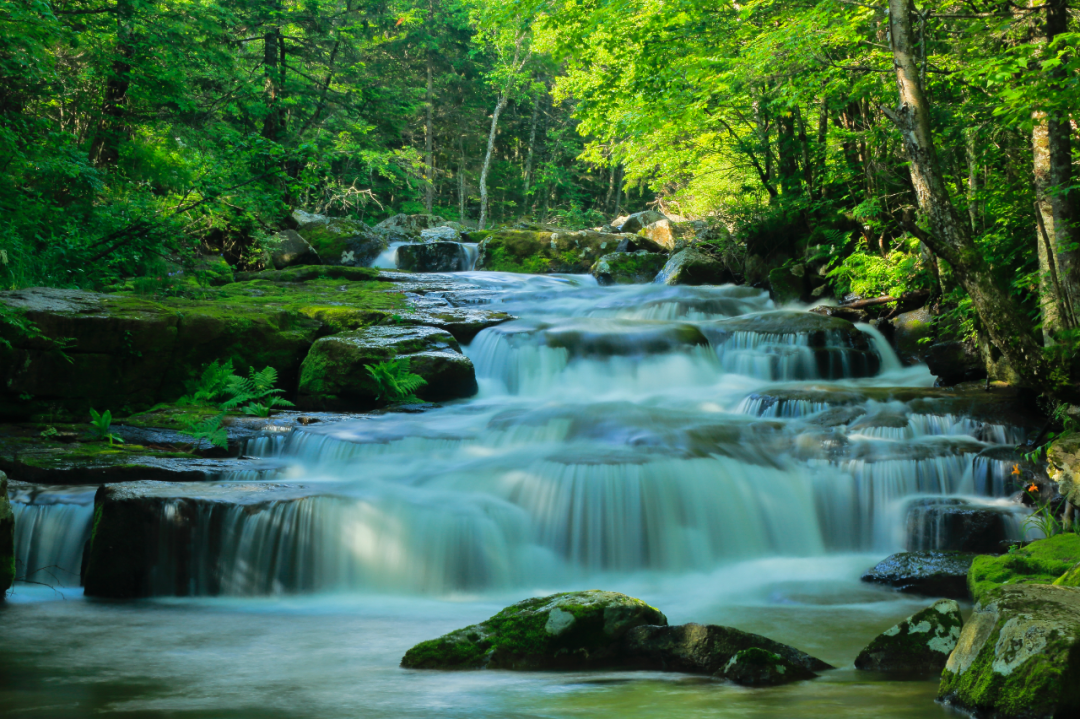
(859, 304)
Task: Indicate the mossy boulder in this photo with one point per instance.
(704, 648)
(756, 667)
(433, 257)
(572, 630)
(911, 334)
(1018, 655)
(674, 236)
(1041, 562)
(693, 267)
(930, 573)
(788, 284)
(637, 221)
(1063, 456)
(539, 252)
(334, 375)
(344, 241)
(918, 645)
(407, 228)
(627, 268)
(288, 248)
(7, 539)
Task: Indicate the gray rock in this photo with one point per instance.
(760, 668)
(844, 313)
(637, 221)
(674, 236)
(433, 256)
(627, 268)
(955, 362)
(573, 630)
(290, 249)
(920, 644)
(407, 228)
(440, 234)
(693, 267)
(788, 284)
(909, 328)
(940, 574)
(1016, 656)
(950, 524)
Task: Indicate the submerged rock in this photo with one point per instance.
(627, 268)
(434, 256)
(563, 631)
(760, 668)
(935, 574)
(290, 249)
(1017, 655)
(693, 267)
(334, 376)
(918, 645)
(7, 539)
(603, 337)
(704, 648)
(1041, 562)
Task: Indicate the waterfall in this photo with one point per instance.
(51, 528)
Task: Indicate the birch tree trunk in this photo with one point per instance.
(429, 128)
(527, 178)
(950, 238)
(487, 159)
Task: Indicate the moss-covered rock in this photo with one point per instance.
(918, 645)
(911, 332)
(704, 648)
(760, 668)
(674, 236)
(627, 268)
(343, 241)
(539, 252)
(334, 375)
(637, 221)
(433, 256)
(788, 284)
(940, 574)
(563, 631)
(693, 267)
(1041, 562)
(1018, 655)
(7, 539)
(288, 248)
(1063, 456)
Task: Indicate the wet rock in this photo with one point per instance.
(637, 221)
(290, 249)
(602, 337)
(845, 313)
(674, 236)
(909, 329)
(955, 362)
(918, 645)
(343, 241)
(463, 323)
(433, 256)
(573, 630)
(627, 268)
(443, 233)
(7, 539)
(820, 331)
(788, 284)
(949, 524)
(636, 243)
(760, 668)
(541, 252)
(407, 228)
(934, 574)
(333, 375)
(704, 648)
(1016, 656)
(1040, 562)
(693, 267)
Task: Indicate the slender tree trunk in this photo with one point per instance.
(487, 159)
(273, 56)
(527, 178)
(429, 127)
(949, 238)
(105, 148)
(1050, 291)
(820, 149)
(462, 185)
(974, 206)
(618, 189)
(788, 152)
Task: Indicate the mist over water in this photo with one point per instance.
(693, 446)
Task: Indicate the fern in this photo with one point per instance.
(394, 382)
(266, 407)
(220, 387)
(209, 429)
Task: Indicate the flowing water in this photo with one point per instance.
(690, 446)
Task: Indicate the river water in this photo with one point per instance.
(689, 446)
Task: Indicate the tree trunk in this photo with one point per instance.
(527, 178)
(949, 238)
(788, 152)
(105, 148)
(273, 50)
(462, 185)
(429, 127)
(1050, 291)
(487, 159)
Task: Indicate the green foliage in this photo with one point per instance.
(208, 428)
(872, 274)
(101, 427)
(396, 384)
(218, 386)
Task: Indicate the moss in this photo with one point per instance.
(920, 643)
(538, 252)
(1041, 562)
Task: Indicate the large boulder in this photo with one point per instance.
(1017, 656)
(951, 524)
(637, 221)
(443, 233)
(1041, 562)
(955, 362)
(627, 268)
(918, 645)
(788, 284)
(541, 252)
(433, 257)
(911, 331)
(407, 228)
(935, 574)
(704, 648)
(693, 267)
(573, 630)
(289, 249)
(760, 668)
(7, 539)
(344, 241)
(673, 236)
(333, 376)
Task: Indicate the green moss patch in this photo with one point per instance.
(1041, 562)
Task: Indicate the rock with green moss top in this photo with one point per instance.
(433, 256)
(627, 268)
(918, 645)
(288, 249)
(1041, 562)
(693, 267)
(407, 228)
(704, 648)
(788, 284)
(573, 630)
(7, 539)
(541, 252)
(930, 573)
(344, 241)
(911, 332)
(760, 668)
(334, 375)
(1018, 655)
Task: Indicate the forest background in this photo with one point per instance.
(887, 149)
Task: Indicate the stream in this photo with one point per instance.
(690, 446)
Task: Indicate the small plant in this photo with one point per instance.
(209, 429)
(1042, 519)
(101, 427)
(220, 387)
(395, 383)
(265, 408)
(49, 432)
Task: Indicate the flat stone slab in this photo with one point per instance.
(935, 574)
